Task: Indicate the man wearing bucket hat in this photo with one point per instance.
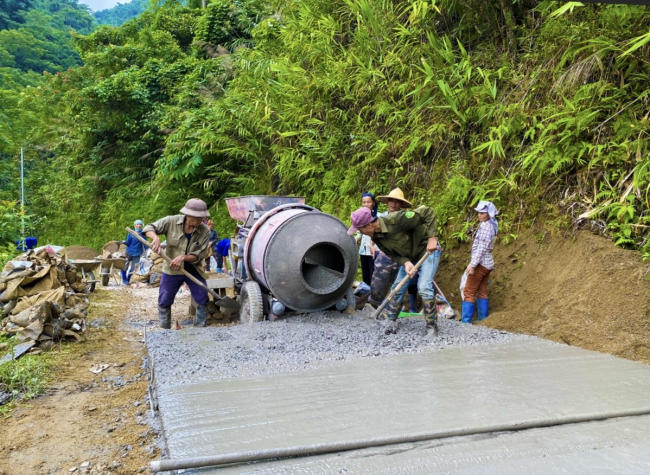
(134, 250)
(187, 242)
(385, 268)
(405, 237)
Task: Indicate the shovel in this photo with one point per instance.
(399, 286)
(219, 301)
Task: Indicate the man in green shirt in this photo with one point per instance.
(406, 236)
(187, 243)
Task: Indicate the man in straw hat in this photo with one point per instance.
(405, 237)
(385, 268)
(187, 242)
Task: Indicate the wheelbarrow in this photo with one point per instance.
(107, 266)
(87, 268)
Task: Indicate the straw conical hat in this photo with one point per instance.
(395, 194)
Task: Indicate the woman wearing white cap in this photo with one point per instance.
(482, 263)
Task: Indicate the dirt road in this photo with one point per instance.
(96, 423)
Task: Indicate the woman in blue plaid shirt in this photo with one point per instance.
(482, 263)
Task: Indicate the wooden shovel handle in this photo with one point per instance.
(399, 286)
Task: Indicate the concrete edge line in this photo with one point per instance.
(153, 395)
(332, 447)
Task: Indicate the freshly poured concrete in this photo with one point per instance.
(617, 446)
(416, 393)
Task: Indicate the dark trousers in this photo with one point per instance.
(367, 268)
(133, 262)
(413, 285)
(169, 285)
(476, 284)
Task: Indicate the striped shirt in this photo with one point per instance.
(483, 245)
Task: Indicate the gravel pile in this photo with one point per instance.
(297, 343)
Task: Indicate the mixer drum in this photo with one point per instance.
(304, 257)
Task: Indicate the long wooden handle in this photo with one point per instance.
(399, 286)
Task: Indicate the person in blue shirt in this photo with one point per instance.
(134, 250)
(223, 247)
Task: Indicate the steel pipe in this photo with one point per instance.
(333, 447)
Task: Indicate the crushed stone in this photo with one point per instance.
(298, 342)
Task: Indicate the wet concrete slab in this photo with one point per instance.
(617, 446)
(404, 394)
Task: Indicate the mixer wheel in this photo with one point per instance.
(252, 304)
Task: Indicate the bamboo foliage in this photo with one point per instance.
(541, 107)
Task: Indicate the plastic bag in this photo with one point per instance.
(443, 308)
(463, 281)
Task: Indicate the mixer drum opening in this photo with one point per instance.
(323, 268)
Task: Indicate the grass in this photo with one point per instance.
(28, 376)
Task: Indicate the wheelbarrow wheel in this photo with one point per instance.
(105, 279)
(252, 304)
(91, 285)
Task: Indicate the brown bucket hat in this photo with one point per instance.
(195, 207)
(395, 194)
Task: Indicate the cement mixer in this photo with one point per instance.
(288, 256)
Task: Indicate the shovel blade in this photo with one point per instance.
(227, 302)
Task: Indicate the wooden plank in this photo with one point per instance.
(224, 283)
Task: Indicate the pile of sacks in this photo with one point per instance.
(149, 269)
(43, 298)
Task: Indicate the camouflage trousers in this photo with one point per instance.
(382, 278)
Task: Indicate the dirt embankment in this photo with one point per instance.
(582, 291)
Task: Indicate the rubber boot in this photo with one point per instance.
(361, 302)
(431, 317)
(165, 317)
(482, 308)
(391, 310)
(201, 316)
(390, 314)
(468, 312)
(413, 302)
(125, 279)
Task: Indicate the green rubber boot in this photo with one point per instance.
(391, 310)
(201, 316)
(431, 317)
(165, 317)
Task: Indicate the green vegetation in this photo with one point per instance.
(35, 36)
(120, 13)
(538, 106)
(25, 377)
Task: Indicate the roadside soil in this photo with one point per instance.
(101, 419)
(581, 290)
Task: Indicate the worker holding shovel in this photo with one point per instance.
(187, 242)
(406, 237)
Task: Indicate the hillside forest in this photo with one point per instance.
(539, 106)
(120, 13)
